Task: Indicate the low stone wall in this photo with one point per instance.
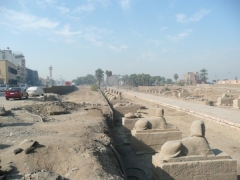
(227, 85)
(203, 85)
(59, 89)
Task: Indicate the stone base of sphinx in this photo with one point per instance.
(128, 124)
(219, 166)
(151, 141)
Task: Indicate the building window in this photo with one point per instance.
(12, 70)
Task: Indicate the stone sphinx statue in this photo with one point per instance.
(194, 145)
(226, 95)
(158, 122)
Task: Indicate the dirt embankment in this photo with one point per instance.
(72, 141)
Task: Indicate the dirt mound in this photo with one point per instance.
(51, 108)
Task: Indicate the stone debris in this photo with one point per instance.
(3, 112)
(210, 103)
(52, 108)
(43, 175)
(130, 115)
(5, 171)
(17, 151)
(34, 145)
(137, 115)
(51, 97)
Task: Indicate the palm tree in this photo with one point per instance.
(99, 74)
(203, 75)
(108, 73)
(175, 77)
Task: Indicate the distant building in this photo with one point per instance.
(112, 80)
(18, 59)
(32, 77)
(8, 73)
(229, 81)
(192, 78)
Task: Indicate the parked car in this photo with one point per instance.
(35, 91)
(24, 86)
(3, 87)
(15, 92)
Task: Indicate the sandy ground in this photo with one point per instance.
(75, 145)
(72, 146)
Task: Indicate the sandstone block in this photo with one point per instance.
(128, 124)
(151, 141)
(236, 103)
(219, 167)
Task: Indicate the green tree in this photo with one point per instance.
(158, 80)
(169, 81)
(175, 77)
(89, 79)
(125, 79)
(146, 79)
(203, 75)
(152, 80)
(132, 80)
(163, 80)
(99, 74)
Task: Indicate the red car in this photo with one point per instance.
(15, 92)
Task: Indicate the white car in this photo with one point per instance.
(3, 87)
(35, 91)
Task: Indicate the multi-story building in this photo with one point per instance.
(18, 59)
(8, 73)
(192, 78)
(32, 77)
(112, 80)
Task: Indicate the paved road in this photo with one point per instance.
(15, 102)
(221, 115)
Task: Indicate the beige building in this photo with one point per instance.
(112, 80)
(192, 78)
(8, 73)
(229, 82)
(18, 59)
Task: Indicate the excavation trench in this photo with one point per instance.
(134, 166)
(218, 135)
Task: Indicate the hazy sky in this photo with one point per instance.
(158, 37)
